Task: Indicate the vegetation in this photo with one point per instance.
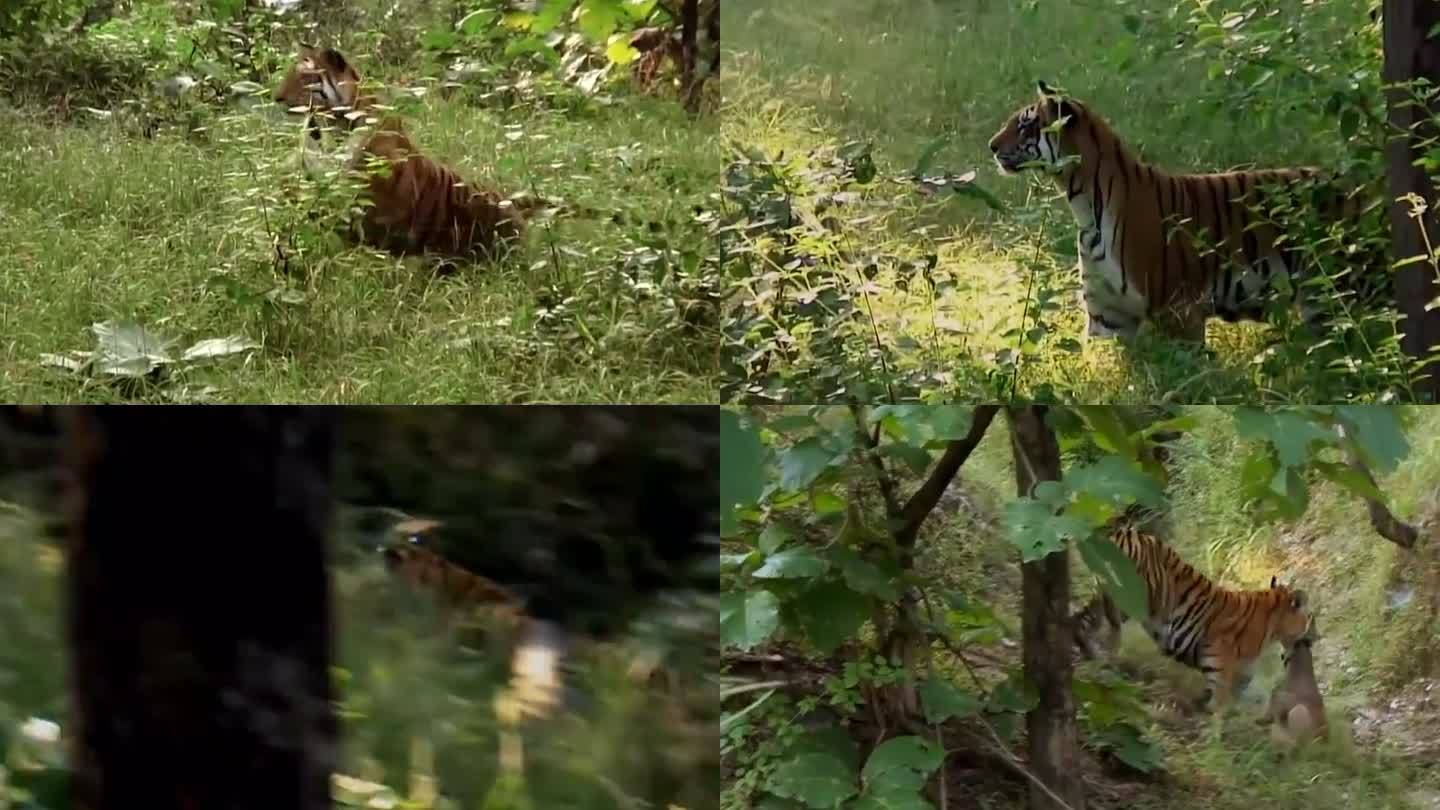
(417, 685)
(873, 619)
(872, 250)
(163, 243)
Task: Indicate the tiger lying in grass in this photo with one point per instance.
(415, 204)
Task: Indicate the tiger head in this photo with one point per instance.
(322, 80)
(1029, 138)
(1291, 619)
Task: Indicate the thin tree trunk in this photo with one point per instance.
(689, 28)
(1410, 53)
(1045, 618)
(199, 607)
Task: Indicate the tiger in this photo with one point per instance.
(536, 685)
(417, 204)
(1171, 249)
(1196, 622)
(323, 83)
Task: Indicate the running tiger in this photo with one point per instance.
(1146, 235)
(1196, 622)
(536, 686)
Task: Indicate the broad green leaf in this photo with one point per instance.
(549, 14)
(916, 458)
(793, 563)
(1129, 746)
(943, 700)
(1293, 436)
(1035, 528)
(816, 780)
(902, 758)
(742, 470)
(748, 618)
(1117, 573)
(826, 503)
(598, 18)
(888, 797)
(831, 613)
(803, 462)
(863, 575)
(1351, 479)
(1013, 695)
(1377, 431)
(1112, 431)
(773, 538)
(1118, 481)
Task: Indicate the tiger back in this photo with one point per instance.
(418, 204)
(1172, 248)
(1200, 624)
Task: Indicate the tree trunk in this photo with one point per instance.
(199, 607)
(1410, 54)
(1045, 619)
(689, 29)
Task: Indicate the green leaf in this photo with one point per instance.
(943, 700)
(916, 458)
(831, 613)
(748, 618)
(927, 155)
(794, 563)
(1129, 746)
(1035, 528)
(803, 462)
(1376, 430)
(1112, 432)
(863, 575)
(1013, 695)
(902, 760)
(1117, 573)
(549, 15)
(1294, 435)
(1351, 479)
(887, 797)
(598, 18)
(826, 503)
(1117, 481)
(742, 470)
(817, 780)
(773, 538)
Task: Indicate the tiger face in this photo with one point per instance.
(1291, 620)
(1026, 138)
(322, 80)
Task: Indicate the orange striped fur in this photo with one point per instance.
(1160, 246)
(1198, 623)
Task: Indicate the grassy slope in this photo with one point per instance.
(905, 74)
(101, 225)
(1367, 652)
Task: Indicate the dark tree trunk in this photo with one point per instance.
(689, 28)
(199, 608)
(1410, 54)
(1045, 619)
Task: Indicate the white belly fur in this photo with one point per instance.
(1113, 308)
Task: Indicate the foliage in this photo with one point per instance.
(995, 315)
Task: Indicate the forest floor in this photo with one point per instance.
(106, 218)
(998, 310)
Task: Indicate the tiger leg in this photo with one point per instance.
(1222, 676)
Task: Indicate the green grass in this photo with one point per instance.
(101, 224)
(930, 81)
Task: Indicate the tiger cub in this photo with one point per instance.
(1196, 622)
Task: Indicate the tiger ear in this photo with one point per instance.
(336, 60)
(1045, 90)
(1298, 600)
(1274, 581)
(1050, 96)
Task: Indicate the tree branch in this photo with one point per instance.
(956, 452)
(870, 444)
(1382, 519)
